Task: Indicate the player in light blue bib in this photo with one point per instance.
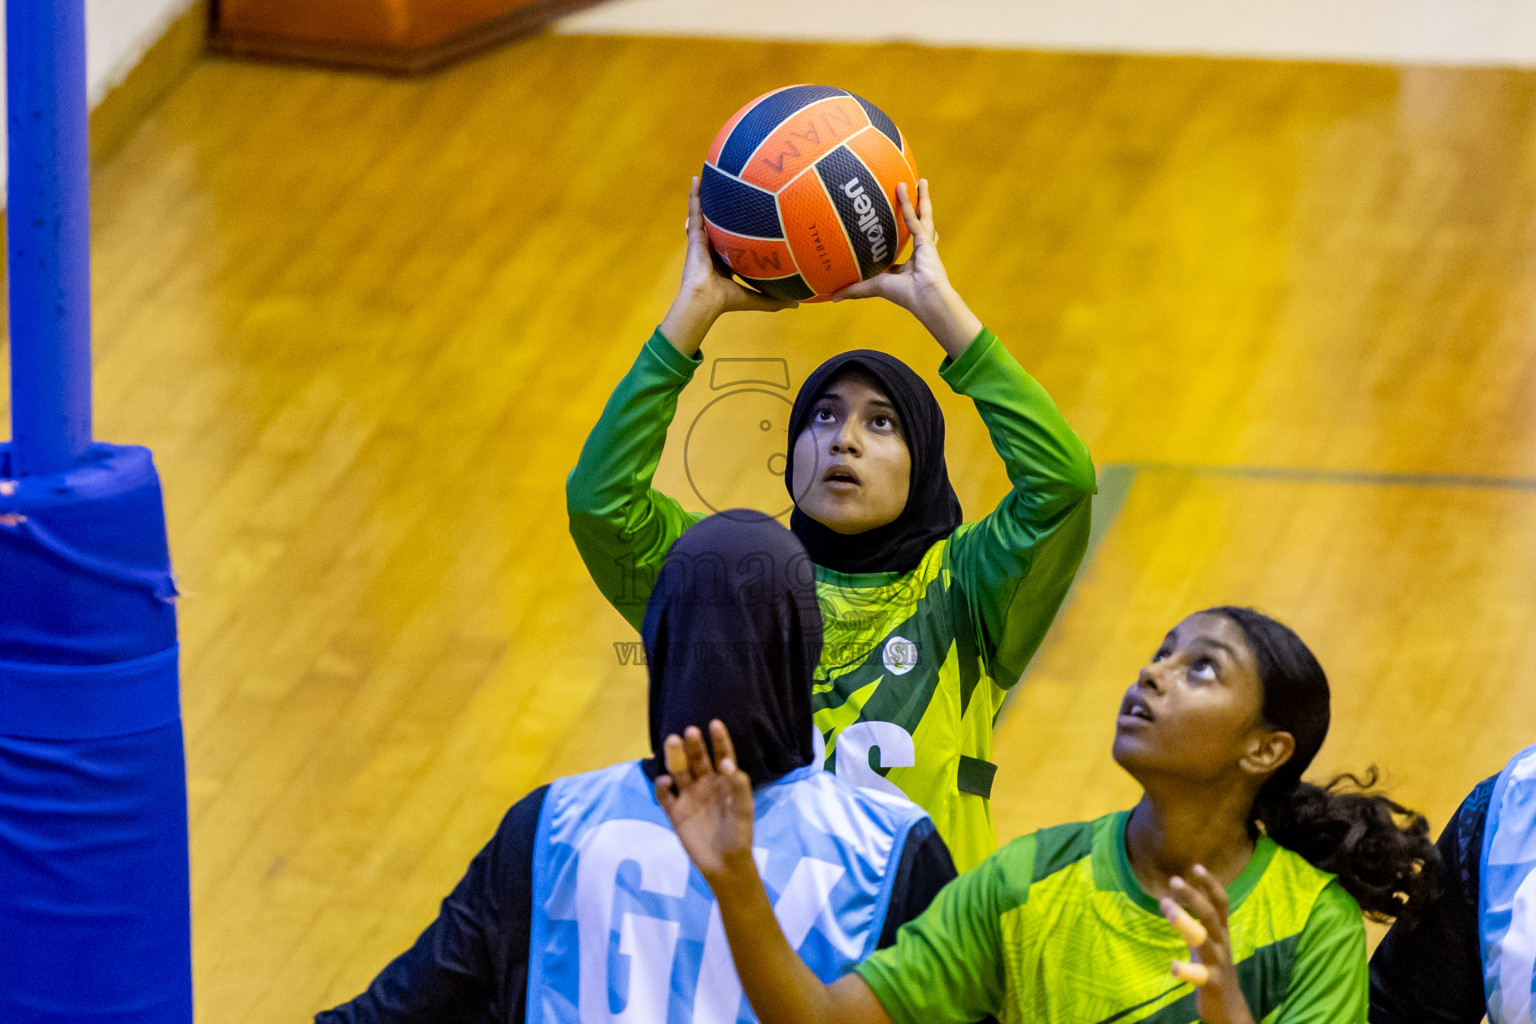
(1506, 905)
(584, 907)
(1474, 953)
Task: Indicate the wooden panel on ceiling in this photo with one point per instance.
(387, 35)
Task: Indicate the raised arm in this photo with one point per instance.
(622, 527)
(1015, 565)
(711, 810)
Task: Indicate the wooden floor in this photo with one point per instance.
(365, 325)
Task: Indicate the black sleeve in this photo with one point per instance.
(471, 964)
(925, 868)
(1433, 973)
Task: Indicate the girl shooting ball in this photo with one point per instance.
(1248, 881)
(928, 619)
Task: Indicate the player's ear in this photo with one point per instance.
(1266, 751)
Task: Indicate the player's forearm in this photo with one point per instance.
(946, 316)
(778, 984)
(688, 320)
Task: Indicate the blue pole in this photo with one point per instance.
(48, 228)
(95, 895)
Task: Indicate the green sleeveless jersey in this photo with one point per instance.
(915, 665)
(1055, 927)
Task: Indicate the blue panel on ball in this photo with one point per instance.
(762, 119)
(737, 207)
(877, 117)
(792, 287)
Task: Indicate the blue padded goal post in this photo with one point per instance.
(95, 919)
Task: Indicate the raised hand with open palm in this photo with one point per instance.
(709, 801)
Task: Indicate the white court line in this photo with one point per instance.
(1479, 32)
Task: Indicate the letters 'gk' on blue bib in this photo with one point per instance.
(625, 930)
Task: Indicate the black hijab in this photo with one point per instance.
(932, 511)
(733, 631)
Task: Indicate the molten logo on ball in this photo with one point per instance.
(869, 223)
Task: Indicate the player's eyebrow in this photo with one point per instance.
(1205, 641)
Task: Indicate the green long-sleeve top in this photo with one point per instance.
(915, 665)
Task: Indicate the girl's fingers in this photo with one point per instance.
(664, 794)
(1213, 889)
(742, 785)
(1197, 903)
(762, 303)
(1215, 895)
(695, 223)
(909, 214)
(871, 288)
(676, 761)
(725, 750)
(1195, 936)
(1205, 932)
(698, 755)
(925, 204)
(1191, 931)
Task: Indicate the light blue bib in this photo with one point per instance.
(1506, 909)
(625, 930)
